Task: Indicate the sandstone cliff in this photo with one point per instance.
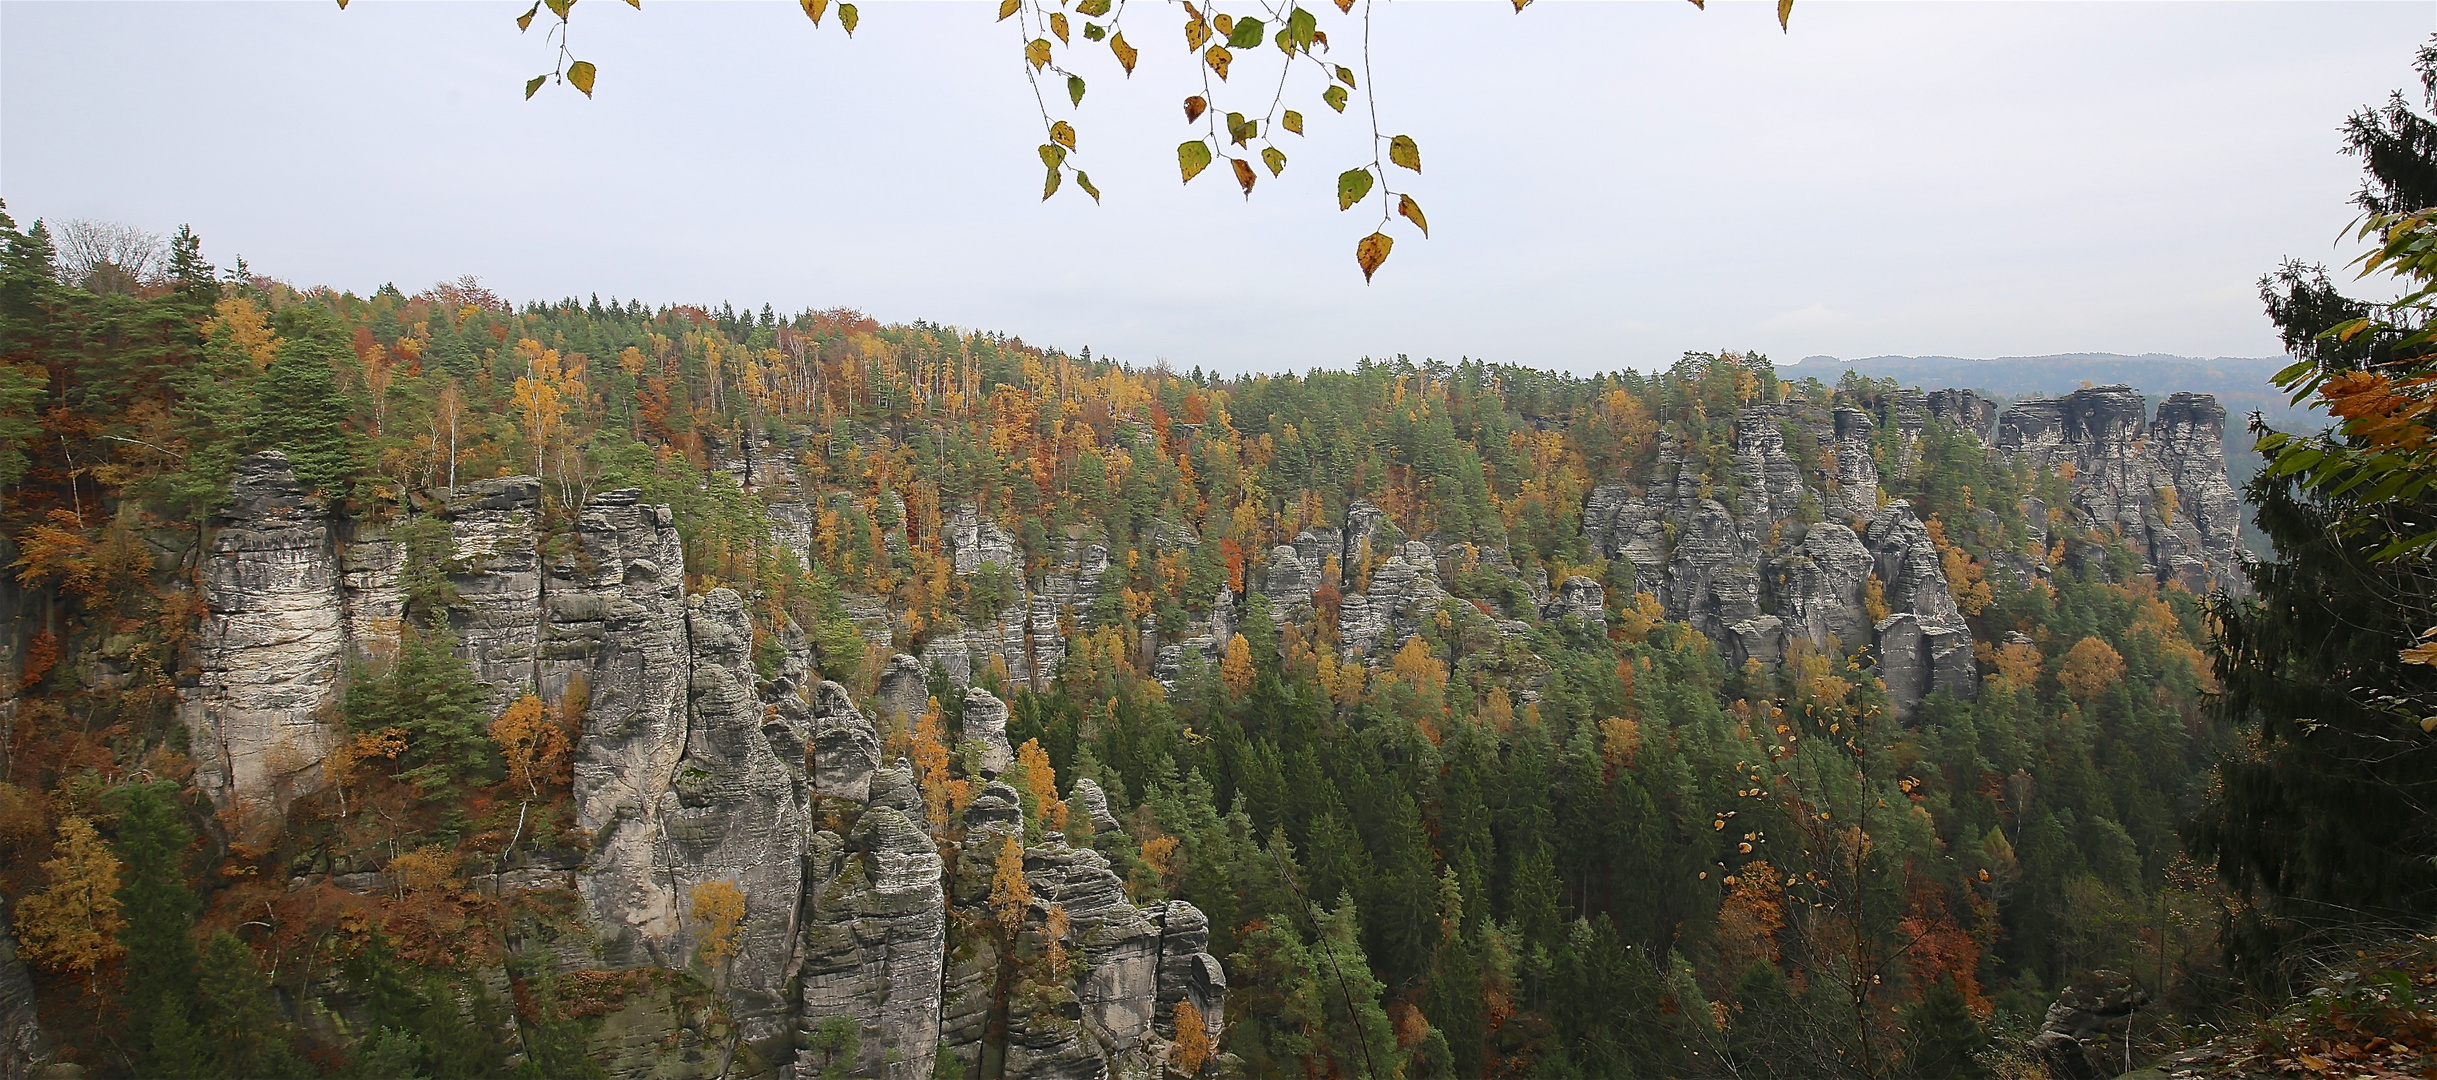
(694, 769)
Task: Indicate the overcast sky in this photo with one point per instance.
(1609, 184)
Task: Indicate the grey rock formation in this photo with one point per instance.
(874, 943)
(2084, 1030)
(986, 725)
(1088, 798)
(845, 749)
(2161, 486)
(1579, 598)
(904, 693)
(694, 771)
(23, 1046)
(739, 817)
(271, 650)
(1767, 559)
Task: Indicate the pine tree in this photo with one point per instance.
(247, 1039)
(303, 414)
(160, 913)
(434, 698)
(1941, 1037)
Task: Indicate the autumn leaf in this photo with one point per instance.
(1276, 160)
(1352, 185)
(817, 8)
(848, 17)
(1413, 212)
(1402, 150)
(581, 73)
(1194, 106)
(1369, 253)
(1785, 15)
(1193, 156)
(524, 21)
(1050, 187)
(1335, 97)
(1037, 52)
(1074, 89)
(1125, 53)
(1246, 35)
(1197, 33)
(534, 84)
(1084, 180)
(1058, 26)
(1243, 174)
(1292, 121)
(1063, 134)
(1219, 58)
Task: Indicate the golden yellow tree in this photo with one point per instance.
(1010, 894)
(1236, 669)
(531, 741)
(1192, 1046)
(1041, 782)
(73, 924)
(2091, 667)
(720, 907)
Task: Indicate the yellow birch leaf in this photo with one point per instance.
(1192, 157)
(1371, 251)
(1402, 150)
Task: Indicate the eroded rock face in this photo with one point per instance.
(986, 724)
(1784, 553)
(272, 649)
(740, 815)
(2161, 486)
(23, 1046)
(695, 773)
(874, 943)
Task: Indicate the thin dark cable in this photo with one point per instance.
(1361, 1040)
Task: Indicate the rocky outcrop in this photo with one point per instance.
(696, 773)
(2160, 486)
(24, 1048)
(1783, 552)
(272, 648)
(874, 943)
(2082, 1036)
(985, 722)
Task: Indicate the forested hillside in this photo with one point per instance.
(424, 685)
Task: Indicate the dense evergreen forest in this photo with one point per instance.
(1339, 661)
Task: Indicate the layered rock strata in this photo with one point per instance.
(699, 778)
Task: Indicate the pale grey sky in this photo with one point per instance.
(1609, 183)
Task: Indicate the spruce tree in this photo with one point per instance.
(303, 414)
(247, 1040)
(1941, 1036)
(159, 909)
